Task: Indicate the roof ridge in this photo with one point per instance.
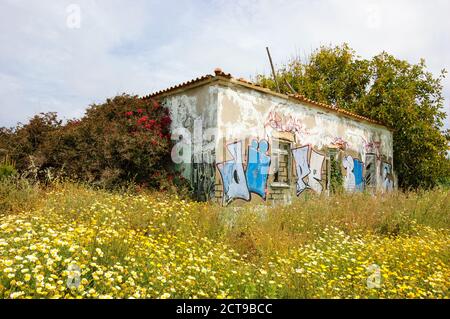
(178, 86)
(300, 97)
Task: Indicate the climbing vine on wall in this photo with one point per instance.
(336, 177)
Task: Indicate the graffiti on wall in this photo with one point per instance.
(340, 143)
(203, 175)
(353, 179)
(239, 183)
(233, 175)
(372, 147)
(301, 166)
(282, 123)
(258, 167)
(311, 168)
(358, 172)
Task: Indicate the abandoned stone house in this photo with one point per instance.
(240, 142)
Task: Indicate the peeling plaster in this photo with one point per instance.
(219, 114)
(253, 108)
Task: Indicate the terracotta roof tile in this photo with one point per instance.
(179, 86)
(220, 74)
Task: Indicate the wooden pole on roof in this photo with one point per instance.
(290, 86)
(273, 70)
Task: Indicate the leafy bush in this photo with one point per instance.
(25, 144)
(6, 171)
(126, 139)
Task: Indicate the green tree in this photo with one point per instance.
(24, 143)
(406, 97)
(124, 139)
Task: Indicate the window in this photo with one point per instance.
(370, 175)
(281, 162)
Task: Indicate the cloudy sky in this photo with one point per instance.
(52, 61)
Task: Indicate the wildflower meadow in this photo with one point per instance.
(72, 241)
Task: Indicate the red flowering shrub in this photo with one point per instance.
(122, 140)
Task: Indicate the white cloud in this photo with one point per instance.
(140, 46)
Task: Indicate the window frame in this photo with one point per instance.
(276, 152)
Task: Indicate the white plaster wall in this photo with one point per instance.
(320, 127)
(194, 116)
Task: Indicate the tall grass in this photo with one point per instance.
(392, 215)
(316, 247)
(18, 194)
(249, 226)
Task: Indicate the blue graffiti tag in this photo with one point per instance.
(258, 167)
(233, 175)
(358, 172)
